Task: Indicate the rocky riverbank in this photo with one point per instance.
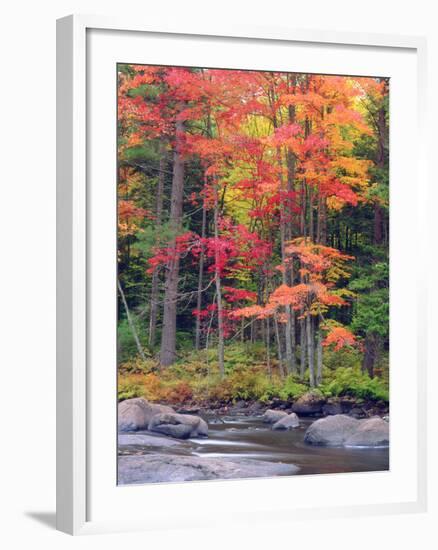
(164, 468)
(310, 404)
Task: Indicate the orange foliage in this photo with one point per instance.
(339, 337)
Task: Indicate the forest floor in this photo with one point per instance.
(249, 386)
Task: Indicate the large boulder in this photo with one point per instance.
(181, 426)
(158, 468)
(288, 422)
(348, 431)
(373, 432)
(332, 430)
(272, 416)
(309, 403)
(135, 414)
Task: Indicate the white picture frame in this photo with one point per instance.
(75, 215)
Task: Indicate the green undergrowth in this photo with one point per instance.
(195, 378)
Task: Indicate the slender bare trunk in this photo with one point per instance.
(311, 222)
(290, 352)
(168, 336)
(131, 323)
(310, 350)
(200, 280)
(279, 350)
(155, 277)
(319, 357)
(302, 348)
(217, 277)
(268, 346)
(290, 276)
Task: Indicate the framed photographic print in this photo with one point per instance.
(235, 271)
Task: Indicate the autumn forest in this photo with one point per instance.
(253, 236)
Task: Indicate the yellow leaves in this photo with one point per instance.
(134, 139)
(335, 203)
(351, 165)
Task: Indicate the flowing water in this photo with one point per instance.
(249, 437)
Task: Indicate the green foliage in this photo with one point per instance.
(291, 389)
(343, 358)
(128, 389)
(352, 382)
(127, 349)
(371, 312)
(251, 384)
(196, 378)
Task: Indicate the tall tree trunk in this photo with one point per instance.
(268, 346)
(168, 336)
(200, 280)
(290, 355)
(311, 223)
(302, 348)
(291, 165)
(290, 352)
(310, 350)
(319, 356)
(303, 208)
(130, 322)
(155, 277)
(217, 277)
(279, 350)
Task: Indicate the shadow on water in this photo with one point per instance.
(249, 437)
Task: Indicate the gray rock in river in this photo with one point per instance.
(288, 422)
(344, 430)
(373, 432)
(165, 468)
(135, 414)
(181, 426)
(147, 440)
(332, 430)
(309, 403)
(271, 416)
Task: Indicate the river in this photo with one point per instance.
(243, 437)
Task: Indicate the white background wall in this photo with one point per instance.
(27, 291)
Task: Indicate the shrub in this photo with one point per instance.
(129, 388)
(152, 387)
(343, 358)
(127, 348)
(291, 389)
(138, 366)
(178, 394)
(351, 381)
